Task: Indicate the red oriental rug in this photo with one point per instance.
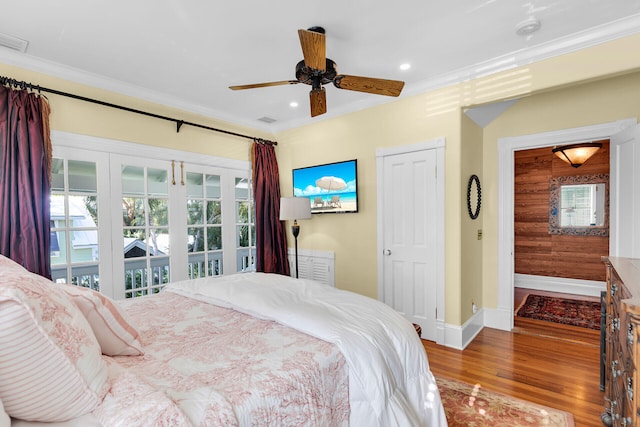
(470, 405)
(585, 314)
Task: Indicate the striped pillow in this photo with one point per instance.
(111, 326)
(51, 366)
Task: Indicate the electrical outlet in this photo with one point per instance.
(479, 234)
(474, 307)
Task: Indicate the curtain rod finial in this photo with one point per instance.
(265, 141)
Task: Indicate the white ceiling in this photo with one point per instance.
(185, 53)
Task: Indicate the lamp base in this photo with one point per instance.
(295, 229)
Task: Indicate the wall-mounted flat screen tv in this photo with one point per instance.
(330, 188)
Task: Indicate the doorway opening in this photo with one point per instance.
(506, 150)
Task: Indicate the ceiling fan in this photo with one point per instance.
(317, 70)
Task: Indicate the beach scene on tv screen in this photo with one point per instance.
(330, 188)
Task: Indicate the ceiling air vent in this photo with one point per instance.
(267, 119)
(13, 42)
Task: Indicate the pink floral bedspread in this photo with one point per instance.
(206, 365)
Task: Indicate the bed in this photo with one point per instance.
(248, 349)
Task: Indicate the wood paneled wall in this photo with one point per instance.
(536, 251)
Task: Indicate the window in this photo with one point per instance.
(204, 222)
(245, 226)
(75, 249)
(126, 225)
(145, 229)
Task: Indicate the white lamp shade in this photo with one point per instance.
(294, 208)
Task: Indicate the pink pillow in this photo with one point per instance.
(51, 366)
(111, 326)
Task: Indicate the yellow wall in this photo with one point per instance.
(353, 237)
(71, 115)
(471, 256)
(550, 102)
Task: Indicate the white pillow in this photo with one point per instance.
(111, 326)
(51, 366)
(5, 421)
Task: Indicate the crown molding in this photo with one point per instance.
(572, 43)
(575, 42)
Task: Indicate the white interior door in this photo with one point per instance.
(625, 193)
(410, 236)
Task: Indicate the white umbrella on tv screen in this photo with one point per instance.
(331, 183)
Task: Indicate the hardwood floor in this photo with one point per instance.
(550, 364)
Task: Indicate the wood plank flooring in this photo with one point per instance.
(550, 364)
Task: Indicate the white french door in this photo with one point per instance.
(126, 225)
(80, 219)
(219, 224)
(141, 191)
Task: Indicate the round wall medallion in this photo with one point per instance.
(474, 195)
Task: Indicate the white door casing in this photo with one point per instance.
(411, 232)
(502, 316)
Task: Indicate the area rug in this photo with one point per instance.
(560, 310)
(467, 405)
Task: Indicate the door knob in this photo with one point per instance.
(387, 251)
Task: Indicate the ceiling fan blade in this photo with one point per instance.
(314, 49)
(256, 85)
(369, 85)
(318, 100)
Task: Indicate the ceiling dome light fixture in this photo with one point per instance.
(528, 26)
(576, 154)
(405, 66)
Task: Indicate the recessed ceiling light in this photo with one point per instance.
(293, 104)
(528, 26)
(405, 66)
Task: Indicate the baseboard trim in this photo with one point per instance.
(459, 337)
(559, 284)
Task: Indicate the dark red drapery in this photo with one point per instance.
(271, 237)
(25, 163)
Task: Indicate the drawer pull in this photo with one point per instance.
(614, 414)
(615, 372)
(615, 324)
(630, 388)
(630, 335)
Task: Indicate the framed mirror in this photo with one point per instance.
(579, 205)
(474, 196)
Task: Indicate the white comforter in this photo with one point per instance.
(390, 383)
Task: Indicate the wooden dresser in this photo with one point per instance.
(622, 351)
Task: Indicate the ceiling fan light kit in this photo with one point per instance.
(317, 70)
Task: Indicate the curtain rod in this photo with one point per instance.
(7, 81)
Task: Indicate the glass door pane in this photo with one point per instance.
(75, 217)
(204, 225)
(245, 226)
(145, 229)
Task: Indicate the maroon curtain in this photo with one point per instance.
(25, 163)
(271, 237)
